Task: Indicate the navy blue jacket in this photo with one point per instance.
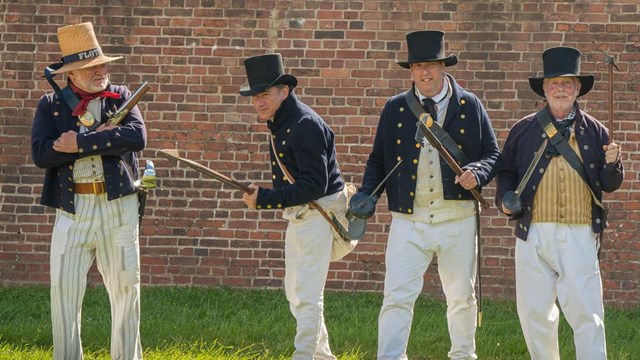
(53, 118)
(306, 146)
(466, 122)
(526, 136)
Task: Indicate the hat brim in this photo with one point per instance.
(448, 61)
(82, 64)
(247, 90)
(586, 82)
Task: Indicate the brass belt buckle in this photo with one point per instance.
(95, 187)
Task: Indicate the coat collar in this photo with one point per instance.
(454, 101)
(281, 117)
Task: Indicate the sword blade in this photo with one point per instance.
(532, 166)
(383, 180)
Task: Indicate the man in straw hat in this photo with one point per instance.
(90, 172)
(305, 169)
(558, 209)
(433, 212)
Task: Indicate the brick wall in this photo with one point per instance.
(198, 232)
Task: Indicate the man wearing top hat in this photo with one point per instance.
(89, 181)
(558, 210)
(433, 212)
(304, 169)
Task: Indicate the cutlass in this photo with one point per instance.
(511, 199)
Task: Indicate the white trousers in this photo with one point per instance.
(307, 255)
(410, 249)
(105, 231)
(559, 261)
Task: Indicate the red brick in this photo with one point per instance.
(197, 231)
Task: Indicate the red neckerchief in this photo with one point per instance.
(85, 97)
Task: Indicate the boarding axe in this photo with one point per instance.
(610, 62)
(172, 154)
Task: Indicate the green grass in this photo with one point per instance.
(233, 324)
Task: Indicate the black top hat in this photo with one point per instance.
(426, 46)
(263, 72)
(562, 62)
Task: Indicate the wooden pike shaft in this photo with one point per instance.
(174, 155)
(610, 62)
(448, 158)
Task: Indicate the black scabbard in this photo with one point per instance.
(479, 261)
(142, 202)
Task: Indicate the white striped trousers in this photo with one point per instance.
(105, 231)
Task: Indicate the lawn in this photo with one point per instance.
(238, 324)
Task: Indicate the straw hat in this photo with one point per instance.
(80, 48)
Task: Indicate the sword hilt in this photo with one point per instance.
(511, 200)
(149, 179)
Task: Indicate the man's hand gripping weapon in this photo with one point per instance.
(424, 132)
